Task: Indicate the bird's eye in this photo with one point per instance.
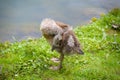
(52, 35)
(60, 42)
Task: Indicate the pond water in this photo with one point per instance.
(20, 19)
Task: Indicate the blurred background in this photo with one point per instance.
(20, 19)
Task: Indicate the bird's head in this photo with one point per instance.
(57, 42)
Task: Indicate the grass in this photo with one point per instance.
(30, 59)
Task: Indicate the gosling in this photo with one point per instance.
(61, 38)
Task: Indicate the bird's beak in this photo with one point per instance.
(81, 52)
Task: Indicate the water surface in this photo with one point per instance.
(20, 19)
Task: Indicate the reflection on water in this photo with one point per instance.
(21, 18)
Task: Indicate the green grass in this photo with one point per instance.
(30, 59)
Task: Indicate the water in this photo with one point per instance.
(20, 19)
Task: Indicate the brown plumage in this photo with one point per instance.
(61, 37)
(66, 43)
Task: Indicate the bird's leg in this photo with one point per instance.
(60, 64)
(61, 60)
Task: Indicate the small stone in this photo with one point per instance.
(56, 60)
(54, 68)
